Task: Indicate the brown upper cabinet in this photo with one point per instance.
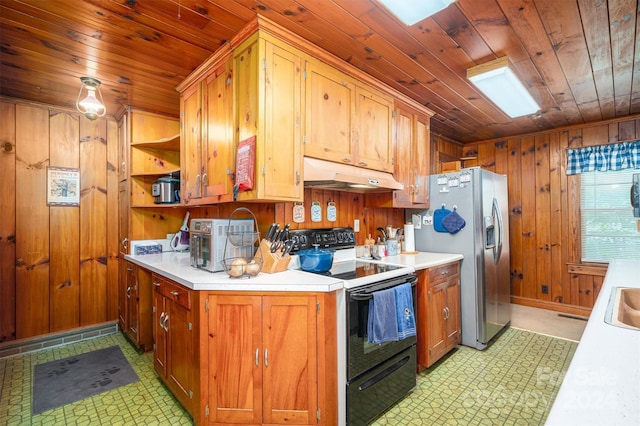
(207, 143)
(412, 140)
(347, 122)
(296, 100)
(269, 106)
(258, 92)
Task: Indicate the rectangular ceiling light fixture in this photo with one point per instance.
(412, 11)
(497, 80)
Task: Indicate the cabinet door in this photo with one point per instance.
(436, 312)
(218, 148)
(329, 111)
(247, 85)
(421, 161)
(290, 360)
(180, 350)
(132, 303)
(452, 324)
(373, 126)
(235, 359)
(403, 171)
(159, 333)
(191, 142)
(126, 268)
(282, 112)
(412, 153)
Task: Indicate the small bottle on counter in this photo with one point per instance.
(369, 244)
(381, 248)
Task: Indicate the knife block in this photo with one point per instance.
(272, 262)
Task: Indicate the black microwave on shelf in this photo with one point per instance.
(635, 194)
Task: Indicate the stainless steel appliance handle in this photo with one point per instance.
(367, 293)
(496, 213)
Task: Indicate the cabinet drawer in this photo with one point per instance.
(442, 273)
(177, 293)
(158, 283)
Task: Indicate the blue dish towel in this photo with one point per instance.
(404, 311)
(382, 325)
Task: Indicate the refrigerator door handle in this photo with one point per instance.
(496, 213)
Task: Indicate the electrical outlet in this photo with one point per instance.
(356, 225)
(545, 289)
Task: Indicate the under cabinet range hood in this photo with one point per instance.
(343, 177)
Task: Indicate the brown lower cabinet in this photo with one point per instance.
(135, 306)
(245, 357)
(175, 330)
(438, 314)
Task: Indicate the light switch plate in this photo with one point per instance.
(356, 225)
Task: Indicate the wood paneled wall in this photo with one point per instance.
(544, 206)
(58, 264)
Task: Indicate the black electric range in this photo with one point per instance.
(353, 271)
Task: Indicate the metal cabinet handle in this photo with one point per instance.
(257, 355)
(444, 273)
(266, 357)
(198, 180)
(164, 324)
(125, 243)
(363, 163)
(161, 319)
(205, 179)
(156, 283)
(174, 293)
(129, 292)
(346, 160)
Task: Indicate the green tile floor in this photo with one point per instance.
(513, 382)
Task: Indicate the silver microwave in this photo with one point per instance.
(207, 240)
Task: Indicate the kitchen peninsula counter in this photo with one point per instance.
(602, 384)
(175, 266)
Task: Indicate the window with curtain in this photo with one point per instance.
(609, 229)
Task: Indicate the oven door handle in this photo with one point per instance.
(368, 294)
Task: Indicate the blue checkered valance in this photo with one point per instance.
(617, 156)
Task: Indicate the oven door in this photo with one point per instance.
(361, 355)
(199, 251)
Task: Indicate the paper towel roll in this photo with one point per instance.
(409, 238)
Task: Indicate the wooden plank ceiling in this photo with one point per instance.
(578, 57)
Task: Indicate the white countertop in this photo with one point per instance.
(602, 384)
(175, 266)
(420, 260)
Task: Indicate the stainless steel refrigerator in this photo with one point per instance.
(480, 198)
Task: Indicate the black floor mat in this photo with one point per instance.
(68, 380)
